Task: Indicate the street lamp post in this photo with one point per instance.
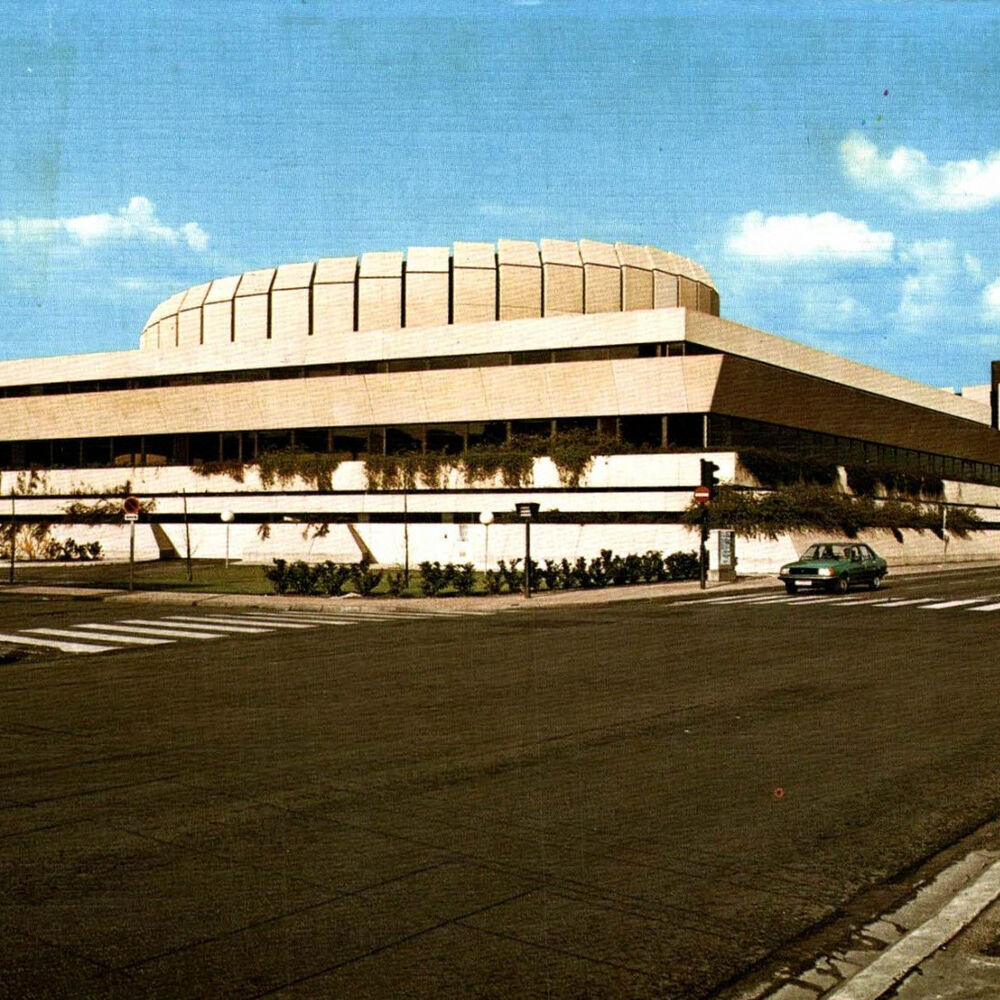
(486, 519)
(227, 518)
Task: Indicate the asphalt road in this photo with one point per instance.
(637, 800)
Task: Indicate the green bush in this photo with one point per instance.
(865, 480)
(364, 578)
(433, 578)
(330, 578)
(285, 464)
(773, 469)
(683, 565)
(817, 508)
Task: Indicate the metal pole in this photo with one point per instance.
(527, 558)
(13, 536)
(486, 550)
(406, 542)
(131, 555)
(227, 545)
(703, 553)
(187, 537)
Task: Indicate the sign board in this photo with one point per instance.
(131, 505)
(131, 518)
(727, 548)
(527, 511)
(702, 494)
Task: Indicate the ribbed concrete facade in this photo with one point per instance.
(430, 286)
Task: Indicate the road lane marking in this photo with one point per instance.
(987, 607)
(66, 647)
(951, 604)
(175, 633)
(133, 640)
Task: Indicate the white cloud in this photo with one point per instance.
(830, 307)
(953, 186)
(794, 239)
(990, 302)
(137, 221)
(934, 284)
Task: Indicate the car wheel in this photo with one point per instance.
(874, 583)
(842, 585)
(790, 587)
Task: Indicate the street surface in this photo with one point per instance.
(631, 800)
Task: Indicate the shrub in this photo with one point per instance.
(512, 576)
(235, 470)
(651, 566)
(331, 577)
(278, 575)
(432, 578)
(775, 468)
(364, 578)
(302, 578)
(285, 464)
(493, 581)
(464, 578)
(552, 575)
(573, 452)
(683, 565)
(395, 583)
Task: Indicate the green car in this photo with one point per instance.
(834, 566)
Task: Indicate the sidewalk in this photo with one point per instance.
(499, 602)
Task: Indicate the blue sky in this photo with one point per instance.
(835, 166)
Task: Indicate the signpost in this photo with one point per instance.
(702, 495)
(527, 512)
(131, 507)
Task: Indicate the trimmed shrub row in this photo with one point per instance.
(606, 570)
(325, 578)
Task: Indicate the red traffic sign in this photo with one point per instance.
(131, 505)
(702, 494)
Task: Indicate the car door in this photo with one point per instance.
(870, 563)
(856, 568)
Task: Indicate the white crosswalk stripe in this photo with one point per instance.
(250, 620)
(982, 602)
(176, 633)
(940, 606)
(893, 602)
(131, 640)
(179, 621)
(65, 647)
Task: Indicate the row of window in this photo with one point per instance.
(646, 432)
(443, 363)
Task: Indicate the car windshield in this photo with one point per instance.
(824, 550)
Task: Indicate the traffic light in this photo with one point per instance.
(708, 475)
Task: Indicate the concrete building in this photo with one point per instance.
(438, 351)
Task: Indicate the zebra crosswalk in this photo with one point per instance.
(108, 636)
(981, 603)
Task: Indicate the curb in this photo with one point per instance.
(898, 961)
